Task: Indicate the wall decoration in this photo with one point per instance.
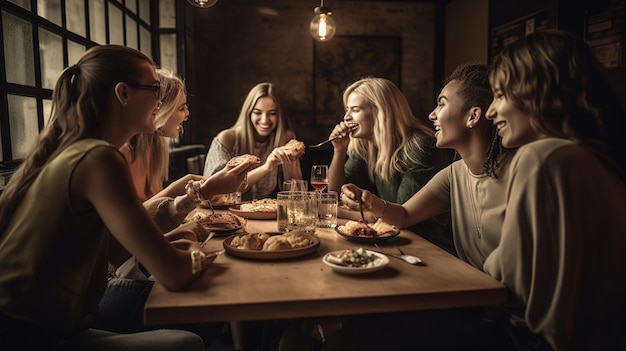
(508, 33)
(346, 59)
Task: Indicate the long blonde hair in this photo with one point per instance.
(152, 149)
(81, 104)
(399, 137)
(244, 128)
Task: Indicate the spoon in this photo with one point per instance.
(407, 258)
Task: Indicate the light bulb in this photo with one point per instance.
(322, 25)
(202, 3)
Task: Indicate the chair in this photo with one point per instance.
(195, 164)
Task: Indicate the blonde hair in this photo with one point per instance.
(152, 149)
(399, 137)
(81, 104)
(244, 128)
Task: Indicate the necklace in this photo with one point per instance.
(472, 185)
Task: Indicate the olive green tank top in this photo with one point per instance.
(54, 261)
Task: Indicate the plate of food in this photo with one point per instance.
(357, 261)
(219, 223)
(271, 245)
(256, 209)
(367, 232)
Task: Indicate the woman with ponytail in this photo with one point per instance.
(71, 197)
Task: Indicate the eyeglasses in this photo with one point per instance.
(155, 88)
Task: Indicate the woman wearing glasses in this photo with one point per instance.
(121, 307)
(70, 198)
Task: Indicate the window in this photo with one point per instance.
(40, 38)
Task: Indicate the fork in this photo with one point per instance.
(331, 139)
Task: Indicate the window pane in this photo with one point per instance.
(47, 109)
(132, 5)
(146, 45)
(168, 51)
(51, 51)
(144, 11)
(131, 33)
(167, 14)
(50, 10)
(116, 31)
(23, 124)
(75, 13)
(25, 4)
(97, 27)
(74, 52)
(18, 50)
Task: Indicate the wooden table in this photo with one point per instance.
(242, 289)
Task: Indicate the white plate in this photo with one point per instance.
(384, 260)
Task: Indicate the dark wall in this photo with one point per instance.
(235, 44)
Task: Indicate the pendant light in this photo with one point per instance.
(322, 25)
(202, 3)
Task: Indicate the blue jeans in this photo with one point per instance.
(121, 305)
(18, 335)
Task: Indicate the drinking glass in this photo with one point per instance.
(295, 185)
(297, 210)
(319, 177)
(327, 209)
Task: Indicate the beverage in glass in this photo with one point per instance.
(327, 209)
(296, 210)
(295, 185)
(319, 177)
(282, 202)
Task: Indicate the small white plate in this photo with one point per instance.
(384, 260)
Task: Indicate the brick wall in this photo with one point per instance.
(236, 44)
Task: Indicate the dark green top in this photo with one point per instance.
(437, 230)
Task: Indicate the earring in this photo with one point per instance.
(159, 131)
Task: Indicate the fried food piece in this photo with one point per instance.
(253, 161)
(295, 148)
(297, 240)
(250, 241)
(355, 228)
(219, 221)
(276, 242)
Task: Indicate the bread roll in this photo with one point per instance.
(276, 242)
(250, 241)
(296, 239)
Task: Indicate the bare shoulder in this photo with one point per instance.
(102, 172)
(227, 137)
(102, 166)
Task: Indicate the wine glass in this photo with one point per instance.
(319, 177)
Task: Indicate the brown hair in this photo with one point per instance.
(243, 126)
(81, 103)
(554, 77)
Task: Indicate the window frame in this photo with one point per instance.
(37, 22)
